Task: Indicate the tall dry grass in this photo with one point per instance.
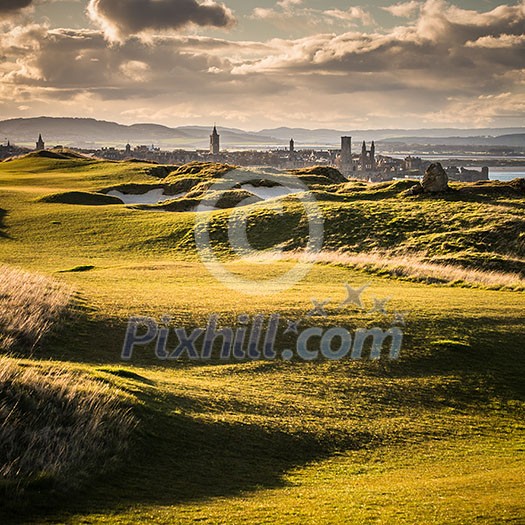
(415, 268)
(411, 267)
(30, 305)
(58, 426)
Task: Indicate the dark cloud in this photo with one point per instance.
(81, 59)
(10, 6)
(122, 18)
(448, 64)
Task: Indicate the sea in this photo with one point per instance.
(506, 174)
(494, 163)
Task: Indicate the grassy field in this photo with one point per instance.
(435, 437)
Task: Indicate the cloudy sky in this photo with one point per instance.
(261, 63)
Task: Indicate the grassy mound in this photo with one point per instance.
(515, 187)
(470, 231)
(56, 154)
(58, 427)
(81, 197)
(319, 175)
(132, 188)
(220, 200)
(195, 177)
(205, 170)
(47, 154)
(30, 307)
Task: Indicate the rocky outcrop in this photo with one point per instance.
(435, 180)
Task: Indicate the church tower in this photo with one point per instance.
(40, 145)
(345, 163)
(215, 142)
(363, 157)
(346, 151)
(292, 145)
(373, 156)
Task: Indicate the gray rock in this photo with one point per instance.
(414, 190)
(435, 179)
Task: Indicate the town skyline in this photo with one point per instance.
(365, 165)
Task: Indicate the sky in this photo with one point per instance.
(257, 64)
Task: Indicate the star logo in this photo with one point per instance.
(380, 306)
(400, 318)
(319, 308)
(293, 327)
(354, 295)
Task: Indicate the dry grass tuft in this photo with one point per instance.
(415, 268)
(30, 305)
(58, 426)
(410, 267)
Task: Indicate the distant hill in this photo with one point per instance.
(88, 132)
(448, 136)
(511, 140)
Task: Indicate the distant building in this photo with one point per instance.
(215, 142)
(128, 150)
(40, 144)
(414, 164)
(11, 150)
(292, 145)
(467, 175)
(345, 159)
(368, 157)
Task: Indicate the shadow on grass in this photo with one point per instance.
(178, 459)
(486, 353)
(3, 214)
(461, 363)
(489, 348)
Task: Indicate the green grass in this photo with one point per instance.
(436, 437)
(448, 481)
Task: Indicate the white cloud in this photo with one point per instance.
(287, 4)
(288, 10)
(134, 70)
(498, 42)
(352, 14)
(404, 9)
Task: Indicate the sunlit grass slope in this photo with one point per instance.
(436, 437)
(472, 229)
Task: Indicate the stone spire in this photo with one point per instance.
(40, 145)
(215, 141)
